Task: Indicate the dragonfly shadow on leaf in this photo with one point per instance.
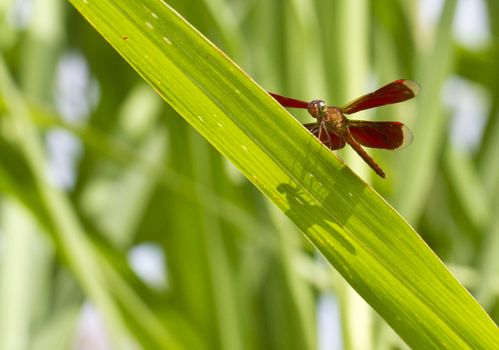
(301, 209)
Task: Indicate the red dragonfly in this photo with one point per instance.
(334, 130)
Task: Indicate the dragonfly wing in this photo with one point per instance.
(396, 91)
(387, 135)
(289, 102)
(331, 140)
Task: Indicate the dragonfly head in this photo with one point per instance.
(317, 109)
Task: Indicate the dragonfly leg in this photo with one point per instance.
(327, 139)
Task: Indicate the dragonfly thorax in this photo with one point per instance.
(335, 121)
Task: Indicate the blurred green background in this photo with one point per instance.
(185, 243)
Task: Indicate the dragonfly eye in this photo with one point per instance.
(317, 108)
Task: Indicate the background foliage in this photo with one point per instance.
(150, 190)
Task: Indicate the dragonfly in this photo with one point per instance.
(335, 130)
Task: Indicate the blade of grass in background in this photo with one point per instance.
(417, 168)
(373, 248)
(15, 315)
